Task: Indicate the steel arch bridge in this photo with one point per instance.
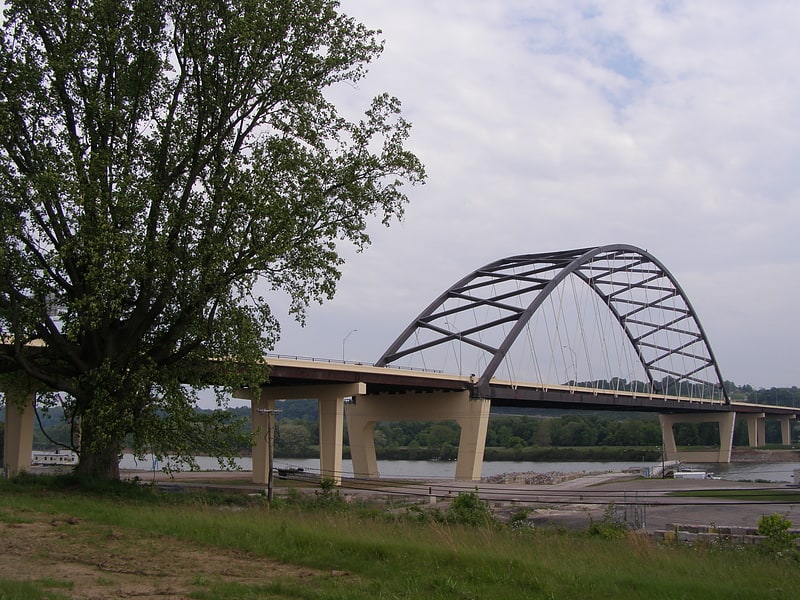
(499, 300)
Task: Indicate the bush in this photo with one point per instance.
(518, 521)
(609, 527)
(778, 540)
(328, 497)
(468, 509)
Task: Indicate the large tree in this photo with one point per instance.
(160, 163)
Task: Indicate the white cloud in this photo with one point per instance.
(547, 125)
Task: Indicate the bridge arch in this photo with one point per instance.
(644, 298)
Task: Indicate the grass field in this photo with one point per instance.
(62, 541)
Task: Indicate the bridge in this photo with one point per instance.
(602, 328)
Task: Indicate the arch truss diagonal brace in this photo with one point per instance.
(644, 298)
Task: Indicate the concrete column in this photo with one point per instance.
(331, 418)
(753, 420)
(18, 440)
(668, 436)
(725, 421)
(761, 431)
(786, 429)
(331, 432)
(361, 432)
(471, 415)
(262, 412)
(472, 443)
(757, 428)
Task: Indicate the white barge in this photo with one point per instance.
(54, 458)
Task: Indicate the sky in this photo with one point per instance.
(549, 125)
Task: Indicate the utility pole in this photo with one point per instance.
(270, 412)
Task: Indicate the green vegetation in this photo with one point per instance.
(359, 551)
(33, 590)
(778, 540)
(609, 527)
(162, 162)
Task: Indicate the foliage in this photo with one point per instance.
(518, 520)
(297, 410)
(162, 164)
(44, 589)
(74, 483)
(292, 439)
(328, 497)
(609, 527)
(468, 509)
(778, 540)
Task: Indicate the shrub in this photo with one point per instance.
(328, 497)
(609, 527)
(518, 521)
(468, 509)
(778, 540)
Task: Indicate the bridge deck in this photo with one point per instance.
(392, 380)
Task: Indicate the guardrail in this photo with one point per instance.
(355, 363)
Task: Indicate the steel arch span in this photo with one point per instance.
(499, 300)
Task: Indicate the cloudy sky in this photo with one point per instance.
(547, 125)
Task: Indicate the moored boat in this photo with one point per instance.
(51, 458)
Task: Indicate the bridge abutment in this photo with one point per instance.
(725, 421)
(471, 414)
(18, 437)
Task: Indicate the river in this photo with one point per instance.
(432, 470)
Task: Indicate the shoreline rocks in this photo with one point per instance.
(531, 478)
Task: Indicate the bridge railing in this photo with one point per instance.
(355, 363)
(599, 391)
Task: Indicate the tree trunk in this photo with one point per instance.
(100, 465)
(97, 460)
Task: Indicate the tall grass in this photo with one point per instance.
(32, 590)
(403, 558)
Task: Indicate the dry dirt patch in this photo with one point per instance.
(105, 562)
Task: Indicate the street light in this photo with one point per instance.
(352, 331)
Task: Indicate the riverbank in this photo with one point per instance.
(757, 455)
(781, 471)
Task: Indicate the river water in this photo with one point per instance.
(432, 470)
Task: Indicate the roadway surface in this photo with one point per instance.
(293, 371)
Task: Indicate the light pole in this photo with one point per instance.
(351, 332)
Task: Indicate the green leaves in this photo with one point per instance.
(162, 162)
